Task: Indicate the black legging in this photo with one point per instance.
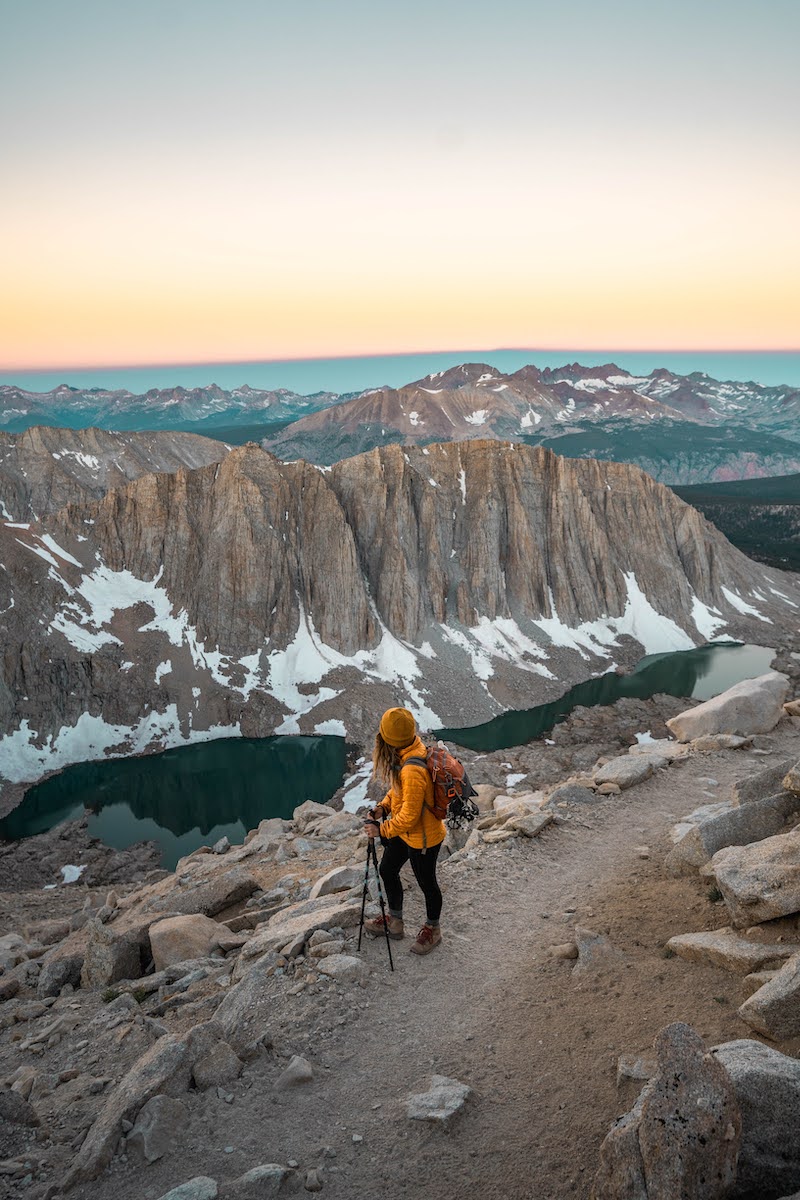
(423, 863)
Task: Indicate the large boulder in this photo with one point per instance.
(63, 964)
(682, 1137)
(759, 881)
(15, 1109)
(517, 806)
(264, 843)
(791, 780)
(344, 968)
(767, 1086)
(202, 1187)
(571, 793)
(177, 939)
(13, 950)
(298, 1072)
(762, 784)
(339, 879)
(299, 922)
(208, 888)
(158, 1129)
(750, 822)
(724, 948)
(751, 706)
(529, 824)
(111, 954)
(219, 1066)
(629, 770)
(774, 1010)
(664, 748)
(338, 825)
(9, 986)
(48, 932)
(308, 814)
(485, 796)
(244, 1016)
(259, 1183)
(165, 1068)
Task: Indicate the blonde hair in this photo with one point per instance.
(386, 762)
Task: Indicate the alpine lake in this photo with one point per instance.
(192, 796)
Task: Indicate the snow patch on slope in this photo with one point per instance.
(742, 606)
(640, 621)
(25, 756)
(708, 620)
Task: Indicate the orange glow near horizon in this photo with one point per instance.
(579, 208)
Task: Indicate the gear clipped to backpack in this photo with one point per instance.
(452, 790)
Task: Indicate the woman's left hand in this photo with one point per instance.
(371, 829)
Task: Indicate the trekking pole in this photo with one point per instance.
(364, 896)
(373, 853)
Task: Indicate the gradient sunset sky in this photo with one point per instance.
(187, 180)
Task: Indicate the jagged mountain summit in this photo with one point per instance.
(681, 429)
(255, 596)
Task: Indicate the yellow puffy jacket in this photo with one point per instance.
(409, 804)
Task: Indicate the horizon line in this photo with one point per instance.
(244, 362)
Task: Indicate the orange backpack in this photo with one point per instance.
(451, 786)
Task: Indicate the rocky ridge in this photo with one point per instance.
(466, 579)
(274, 1004)
(44, 468)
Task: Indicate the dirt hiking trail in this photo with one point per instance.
(492, 1008)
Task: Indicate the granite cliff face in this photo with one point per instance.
(253, 596)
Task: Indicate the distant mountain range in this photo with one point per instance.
(191, 410)
(681, 429)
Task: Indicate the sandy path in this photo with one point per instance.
(491, 1008)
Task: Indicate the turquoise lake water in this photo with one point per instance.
(700, 674)
(192, 796)
(187, 797)
(310, 375)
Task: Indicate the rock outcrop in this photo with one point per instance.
(774, 1009)
(682, 1137)
(45, 468)
(767, 1086)
(759, 881)
(718, 1124)
(725, 825)
(753, 706)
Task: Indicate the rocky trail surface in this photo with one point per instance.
(277, 1047)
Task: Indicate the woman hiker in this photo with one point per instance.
(407, 827)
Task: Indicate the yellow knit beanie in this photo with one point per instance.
(398, 727)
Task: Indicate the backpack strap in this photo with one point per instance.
(420, 762)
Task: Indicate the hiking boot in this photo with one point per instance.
(378, 926)
(428, 937)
